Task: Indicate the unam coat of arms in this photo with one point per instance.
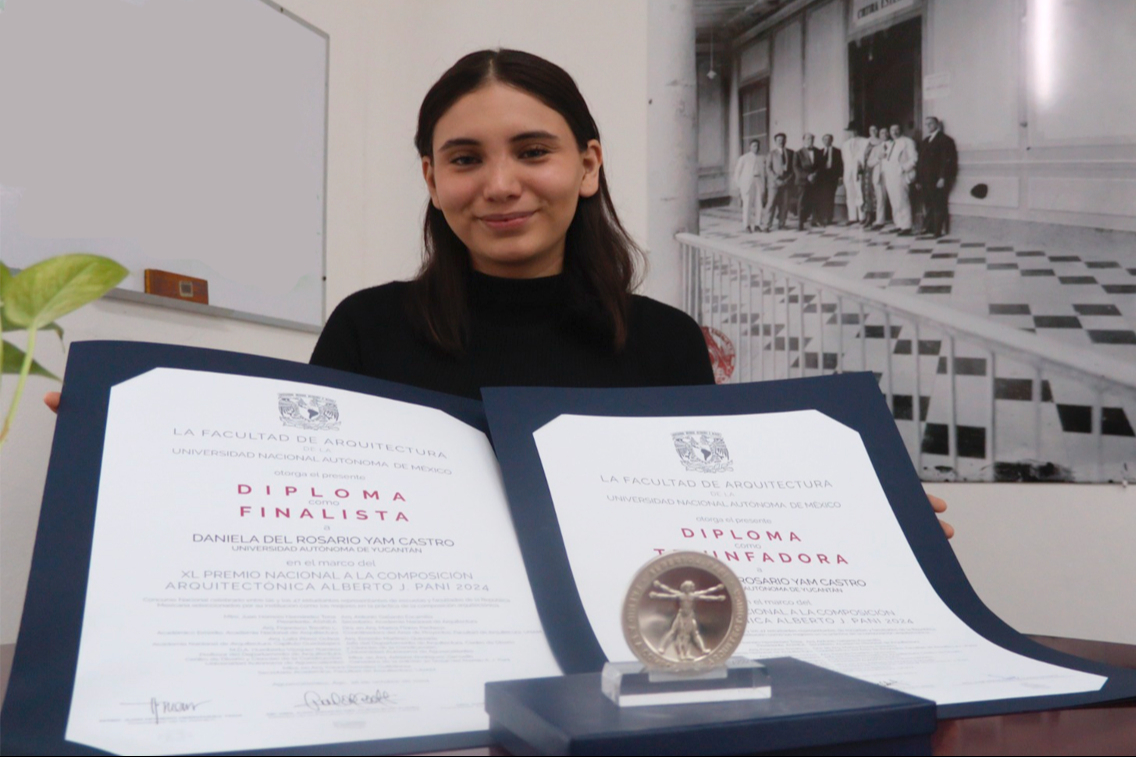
(703, 451)
(309, 412)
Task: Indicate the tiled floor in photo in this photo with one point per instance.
(1077, 293)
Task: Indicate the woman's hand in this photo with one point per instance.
(51, 399)
(940, 506)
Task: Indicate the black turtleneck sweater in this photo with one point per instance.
(521, 333)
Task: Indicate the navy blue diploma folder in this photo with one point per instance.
(852, 399)
(38, 699)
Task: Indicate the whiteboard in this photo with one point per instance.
(183, 135)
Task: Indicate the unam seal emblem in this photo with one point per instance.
(309, 412)
(703, 451)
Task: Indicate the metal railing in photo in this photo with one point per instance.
(784, 320)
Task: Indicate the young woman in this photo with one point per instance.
(528, 272)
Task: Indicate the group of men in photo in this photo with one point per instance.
(878, 171)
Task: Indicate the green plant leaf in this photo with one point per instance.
(5, 279)
(6, 325)
(14, 361)
(43, 292)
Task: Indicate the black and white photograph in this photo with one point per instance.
(941, 193)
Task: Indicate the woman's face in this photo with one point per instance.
(507, 174)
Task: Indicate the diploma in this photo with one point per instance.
(279, 563)
(793, 502)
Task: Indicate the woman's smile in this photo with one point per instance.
(507, 221)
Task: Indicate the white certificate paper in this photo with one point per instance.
(790, 501)
(280, 564)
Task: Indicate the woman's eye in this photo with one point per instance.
(463, 160)
(534, 152)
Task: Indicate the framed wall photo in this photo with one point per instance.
(959, 219)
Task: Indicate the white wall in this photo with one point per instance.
(1050, 559)
(384, 56)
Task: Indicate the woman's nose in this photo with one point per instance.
(502, 182)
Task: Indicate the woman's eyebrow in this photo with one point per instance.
(459, 142)
(527, 135)
(522, 137)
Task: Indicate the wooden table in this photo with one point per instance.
(1109, 729)
(1104, 730)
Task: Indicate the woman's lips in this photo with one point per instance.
(506, 221)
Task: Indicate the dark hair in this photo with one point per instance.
(599, 254)
(779, 134)
(755, 142)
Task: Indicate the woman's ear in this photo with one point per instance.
(592, 159)
(428, 175)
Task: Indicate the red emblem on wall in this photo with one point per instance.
(722, 353)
